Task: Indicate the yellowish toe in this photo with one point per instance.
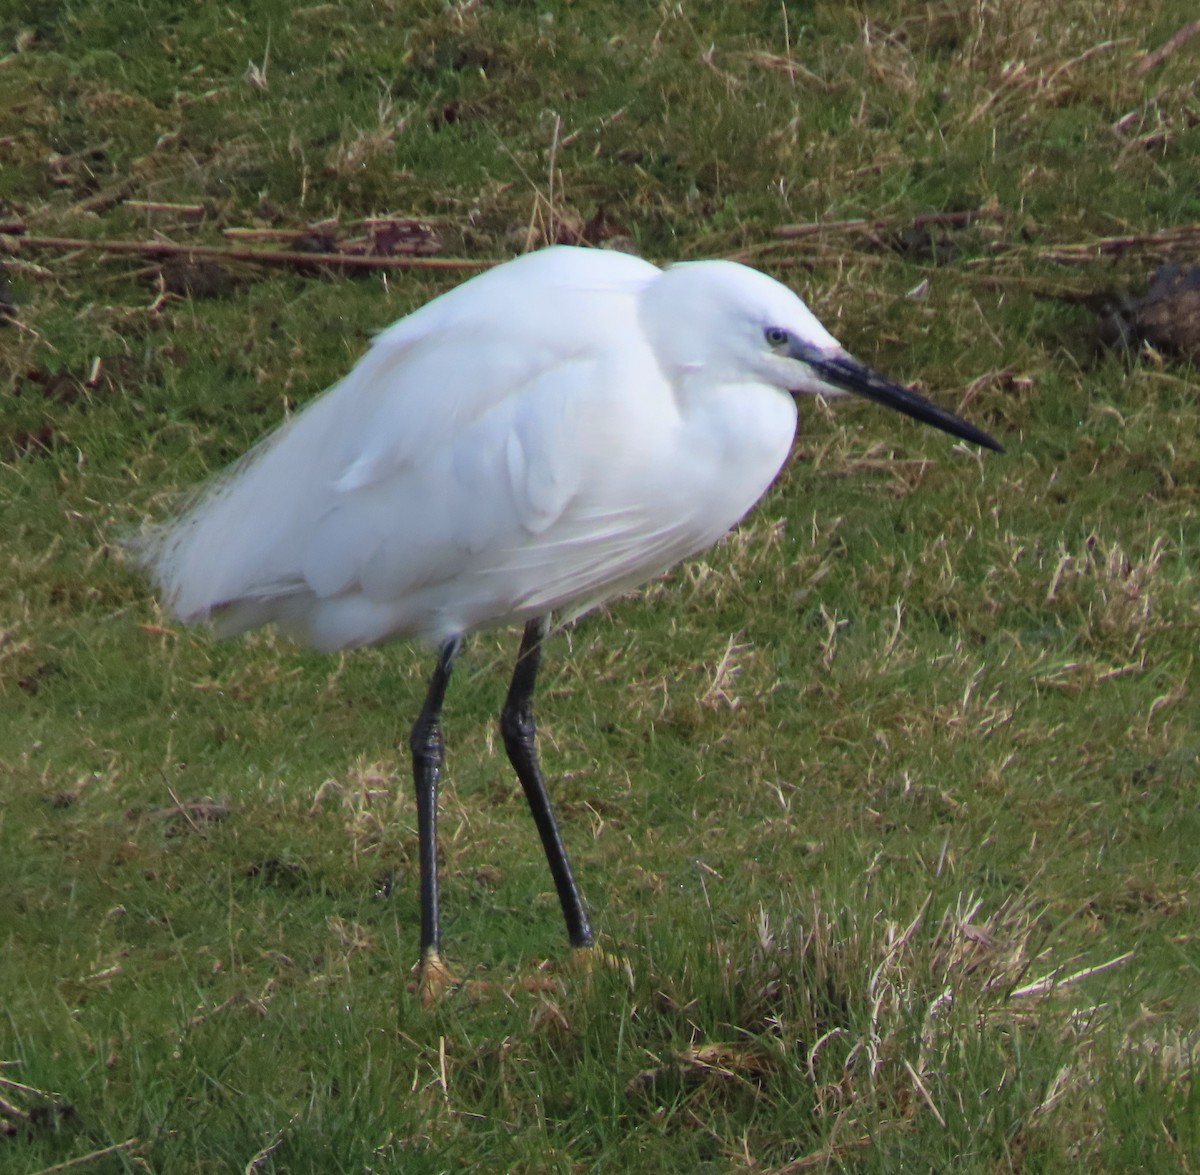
(434, 978)
(585, 961)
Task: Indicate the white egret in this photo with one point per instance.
(550, 433)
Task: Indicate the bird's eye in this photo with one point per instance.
(776, 336)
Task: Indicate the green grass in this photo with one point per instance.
(921, 734)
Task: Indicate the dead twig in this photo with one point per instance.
(255, 256)
(1180, 38)
(1169, 239)
(91, 1157)
(388, 236)
(192, 211)
(791, 232)
(193, 814)
(1051, 982)
(1087, 250)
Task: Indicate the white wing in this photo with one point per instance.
(452, 436)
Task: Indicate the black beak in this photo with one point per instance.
(847, 374)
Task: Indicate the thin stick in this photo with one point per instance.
(257, 256)
(1158, 56)
(108, 1150)
(161, 206)
(1050, 983)
(1084, 251)
(7, 1107)
(9, 1083)
(414, 235)
(180, 808)
(791, 232)
(553, 160)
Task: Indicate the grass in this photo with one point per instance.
(889, 803)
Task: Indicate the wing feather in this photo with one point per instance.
(441, 441)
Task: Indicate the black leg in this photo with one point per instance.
(427, 755)
(517, 727)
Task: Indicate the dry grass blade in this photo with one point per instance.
(91, 1157)
(825, 1157)
(259, 1159)
(14, 1115)
(705, 1064)
(923, 1090)
(1052, 982)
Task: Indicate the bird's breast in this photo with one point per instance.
(732, 442)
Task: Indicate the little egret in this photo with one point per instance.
(550, 433)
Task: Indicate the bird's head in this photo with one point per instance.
(731, 323)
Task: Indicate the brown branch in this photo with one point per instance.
(276, 234)
(792, 232)
(1158, 56)
(389, 236)
(156, 206)
(256, 256)
(1086, 250)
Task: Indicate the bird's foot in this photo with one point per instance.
(434, 978)
(585, 961)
